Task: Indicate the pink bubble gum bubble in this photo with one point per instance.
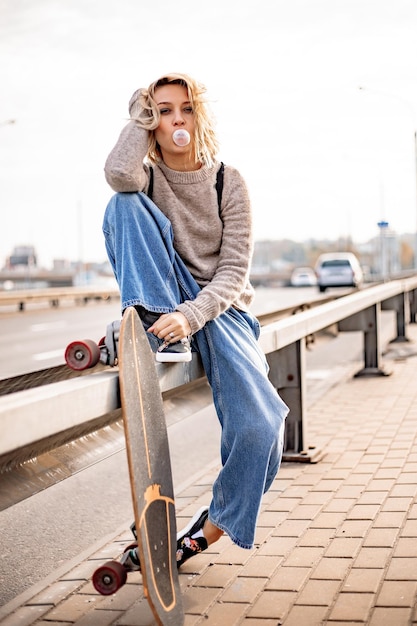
(181, 137)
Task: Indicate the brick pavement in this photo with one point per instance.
(336, 543)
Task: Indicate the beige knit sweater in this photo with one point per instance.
(216, 249)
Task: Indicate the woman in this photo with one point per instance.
(183, 261)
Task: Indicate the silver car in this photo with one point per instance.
(338, 269)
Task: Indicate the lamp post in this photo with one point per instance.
(383, 225)
(410, 108)
(415, 235)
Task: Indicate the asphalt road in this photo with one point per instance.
(39, 534)
(36, 338)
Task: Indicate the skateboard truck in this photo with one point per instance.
(112, 575)
(109, 577)
(82, 355)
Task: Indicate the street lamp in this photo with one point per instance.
(410, 108)
(383, 225)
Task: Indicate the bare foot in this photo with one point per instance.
(211, 532)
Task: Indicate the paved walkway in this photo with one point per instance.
(336, 543)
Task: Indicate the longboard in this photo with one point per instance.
(150, 473)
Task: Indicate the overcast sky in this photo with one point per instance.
(315, 101)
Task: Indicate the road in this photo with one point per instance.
(39, 534)
(36, 338)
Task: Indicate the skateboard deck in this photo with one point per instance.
(150, 471)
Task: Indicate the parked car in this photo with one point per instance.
(303, 277)
(338, 269)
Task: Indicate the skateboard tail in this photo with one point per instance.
(161, 553)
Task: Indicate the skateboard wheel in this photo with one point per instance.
(80, 355)
(108, 578)
(131, 546)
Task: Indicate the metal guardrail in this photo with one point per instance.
(35, 420)
(54, 295)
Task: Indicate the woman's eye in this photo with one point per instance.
(188, 110)
(163, 111)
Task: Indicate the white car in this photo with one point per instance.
(303, 277)
(338, 269)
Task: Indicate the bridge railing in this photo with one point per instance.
(55, 295)
(36, 420)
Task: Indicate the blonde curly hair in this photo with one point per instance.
(145, 112)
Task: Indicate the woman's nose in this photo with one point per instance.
(179, 119)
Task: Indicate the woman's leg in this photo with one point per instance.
(138, 240)
(252, 417)
(152, 275)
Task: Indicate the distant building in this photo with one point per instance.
(61, 265)
(22, 256)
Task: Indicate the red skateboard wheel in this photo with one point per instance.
(108, 578)
(80, 355)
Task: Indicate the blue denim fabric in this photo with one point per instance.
(139, 243)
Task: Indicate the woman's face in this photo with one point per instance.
(176, 113)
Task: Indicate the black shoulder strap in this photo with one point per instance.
(219, 184)
(150, 186)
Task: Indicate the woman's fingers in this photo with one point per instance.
(171, 327)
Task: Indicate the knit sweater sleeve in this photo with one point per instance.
(124, 168)
(231, 277)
